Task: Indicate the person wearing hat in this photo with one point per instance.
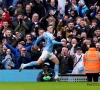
(47, 74)
(78, 62)
(91, 61)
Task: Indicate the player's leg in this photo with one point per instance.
(55, 60)
(56, 67)
(33, 63)
(42, 58)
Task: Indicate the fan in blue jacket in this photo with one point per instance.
(16, 51)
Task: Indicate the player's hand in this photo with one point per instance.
(63, 43)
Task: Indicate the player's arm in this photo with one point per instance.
(56, 42)
(38, 39)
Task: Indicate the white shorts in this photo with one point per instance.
(46, 54)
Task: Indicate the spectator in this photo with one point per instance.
(58, 50)
(82, 9)
(95, 39)
(92, 64)
(9, 36)
(19, 4)
(28, 12)
(16, 51)
(6, 17)
(74, 4)
(35, 21)
(47, 74)
(20, 25)
(3, 53)
(83, 27)
(28, 39)
(98, 17)
(50, 6)
(6, 26)
(78, 62)
(18, 39)
(38, 7)
(23, 58)
(66, 61)
(73, 46)
(8, 62)
(97, 32)
(98, 46)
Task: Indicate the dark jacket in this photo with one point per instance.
(81, 29)
(42, 74)
(66, 64)
(38, 8)
(49, 7)
(2, 55)
(10, 40)
(24, 60)
(1, 36)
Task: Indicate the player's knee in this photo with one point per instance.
(39, 62)
(57, 62)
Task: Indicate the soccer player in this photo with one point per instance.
(47, 52)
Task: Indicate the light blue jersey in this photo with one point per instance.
(49, 41)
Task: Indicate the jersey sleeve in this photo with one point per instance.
(56, 42)
(38, 39)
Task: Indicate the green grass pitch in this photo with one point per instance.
(49, 86)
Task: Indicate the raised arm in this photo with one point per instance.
(94, 12)
(13, 50)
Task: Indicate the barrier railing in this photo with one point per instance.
(74, 78)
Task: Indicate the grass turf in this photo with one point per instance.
(49, 86)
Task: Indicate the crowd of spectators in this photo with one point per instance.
(76, 22)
